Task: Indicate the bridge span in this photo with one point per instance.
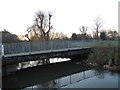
(15, 53)
(30, 51)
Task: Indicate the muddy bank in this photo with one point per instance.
(113, 69)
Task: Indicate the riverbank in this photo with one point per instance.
(107, 56)
(113, 69)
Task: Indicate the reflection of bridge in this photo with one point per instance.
(29, 51)
(67, 80)
(54, 75)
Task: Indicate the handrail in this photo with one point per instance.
(23, 47)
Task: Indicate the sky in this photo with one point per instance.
(68, 15)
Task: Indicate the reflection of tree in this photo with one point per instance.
(113, 74)
(100, 73)
(100, 76)
(39, 62)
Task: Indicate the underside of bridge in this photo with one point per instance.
(79, 58)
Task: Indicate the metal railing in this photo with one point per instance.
(1, 50)
(22, 47)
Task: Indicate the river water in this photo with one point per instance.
(77, 80)
(61, 75)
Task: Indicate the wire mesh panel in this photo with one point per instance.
(22, 47)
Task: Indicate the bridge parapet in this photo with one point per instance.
(12, 48)
(1, 50)
(23, 47)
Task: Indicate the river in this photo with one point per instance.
(61, 75)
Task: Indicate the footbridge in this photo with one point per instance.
(30, 51)
(14, 53)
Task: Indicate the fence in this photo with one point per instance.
(22, 47)
(1, 49)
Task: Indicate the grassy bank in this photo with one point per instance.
(105, 54)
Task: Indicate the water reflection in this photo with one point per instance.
(66, 80)
(40, 62)
(61, 75)
(41, 74)
(100, 73)
(85, 79)
(55, 60)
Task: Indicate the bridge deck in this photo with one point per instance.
(42, 52)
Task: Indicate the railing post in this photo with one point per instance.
(29, 47)
(2, 50)
(81, 43)
(51, 45)
(68, 43)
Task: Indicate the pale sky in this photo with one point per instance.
(68, 15)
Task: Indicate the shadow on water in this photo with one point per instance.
(65, 74)
(41, 74)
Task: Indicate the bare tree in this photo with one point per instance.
(83, 31)
(98, 24)
(44, 24)
(41, 28)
